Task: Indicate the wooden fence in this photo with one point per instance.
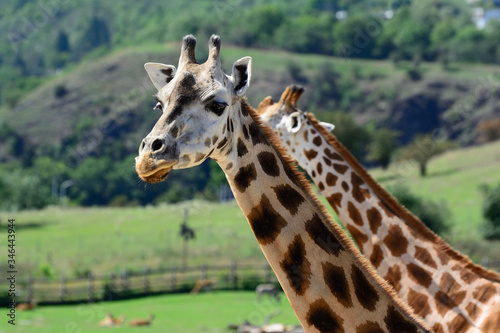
(146, 282)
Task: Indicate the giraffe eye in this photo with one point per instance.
(217, 107)
(158, 106)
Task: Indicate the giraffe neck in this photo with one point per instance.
(443, 286)
(328, 283)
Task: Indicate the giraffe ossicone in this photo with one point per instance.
(329, 284)
(442, 285)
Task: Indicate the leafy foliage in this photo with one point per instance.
(433, 215)
(423, 148)
(382, 146)
(491, 211)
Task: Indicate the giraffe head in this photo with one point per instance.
(290, 123)
(196, 101)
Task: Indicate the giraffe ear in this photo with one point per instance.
(160, 74)
(329, 127)
(294, 122)
(240, 77)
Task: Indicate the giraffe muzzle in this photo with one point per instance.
(152, 170)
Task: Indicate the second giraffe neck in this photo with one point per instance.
(328, 283)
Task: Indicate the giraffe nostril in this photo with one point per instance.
(157, 145)
(143, 144)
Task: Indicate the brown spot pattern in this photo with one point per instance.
(354, 214)
(256, 134)
(322, 317)
(363, 289)
(340, 168)
(459, 324)
(321, 186)
(474, 310)
(419, 275)
(265, 221)
(241, 148)
(374, 218)
(335, 200)
(331, 179)
(198, 157)
(345, 186)
(393, 276)
(317, 141)
(388, 211)
(396, 323)
(336, 281)
(310, 154)
(357, 192)
(306, 135)
(289, 197)
(396, 241)
(296, 266)
(438, 328)
(424, 257)
(327, 161)
(358, 236)
(333, 155)
(320, 234)
(491, 323)
(319, 168)
(376, 256)
(369, 327)
(269, 163)
(419, 302)
(222, 143)
(484, 293)
(244, 177)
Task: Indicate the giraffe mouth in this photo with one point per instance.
(157, 177)
(152, 171)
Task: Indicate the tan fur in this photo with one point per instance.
(142, 322)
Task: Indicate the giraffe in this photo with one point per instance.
(442, 285)
(330, 285)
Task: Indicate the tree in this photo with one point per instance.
(382, 146)
(353, 136)
(433, 215)
(62, 42)
(423, 148)
(491, 211)
(96, 34)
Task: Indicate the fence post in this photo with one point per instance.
(172, 278)
(62, 289)
(147, 286)
(90, 292)
(204, 272)
(29, 289)
(111, 289)
(125, 282)
(232, 275)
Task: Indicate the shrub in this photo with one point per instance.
(432, 214)
(491, 211)
(60, 91)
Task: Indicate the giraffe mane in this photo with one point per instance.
(410, 219)
(325, 217)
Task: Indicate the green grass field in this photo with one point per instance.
(208, 312)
